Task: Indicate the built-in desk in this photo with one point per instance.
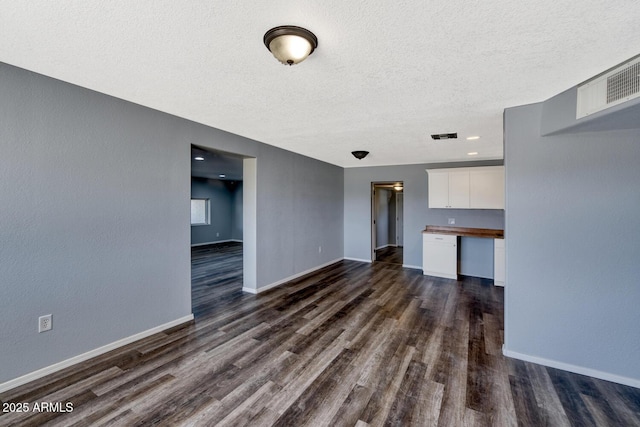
(464, 231)
(440, 250)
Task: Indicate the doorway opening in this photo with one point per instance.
(217, 231)
(387, 222)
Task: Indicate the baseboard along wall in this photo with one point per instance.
(217, 241)
(358, 259)
(290, 278)
(632, 382)
(90, 354)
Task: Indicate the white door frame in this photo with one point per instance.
(374, 213)
(399, 214)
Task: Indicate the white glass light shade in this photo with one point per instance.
(289, 44)
(290, 49)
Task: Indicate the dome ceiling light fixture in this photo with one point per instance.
(360, 154)
(290, 44)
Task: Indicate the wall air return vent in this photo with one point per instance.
(438, 136)
(613, 87)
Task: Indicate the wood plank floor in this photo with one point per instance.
(390, 254)
(216, 276)
(353, 344)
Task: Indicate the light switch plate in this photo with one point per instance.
(452, 221)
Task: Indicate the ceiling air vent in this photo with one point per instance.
(613, 87)
(444, 136)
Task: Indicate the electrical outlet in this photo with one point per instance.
(452, 221)
(217, 234)
(44, 323)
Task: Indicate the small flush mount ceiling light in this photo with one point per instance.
(359, 154)
(473, 138)
(222, 175)
(200, 158)
(290, 44)
(473, 153)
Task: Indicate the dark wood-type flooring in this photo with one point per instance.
(353, 344)
(390, 254)
(216, 276)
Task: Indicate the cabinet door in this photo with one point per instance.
(438, 189)
(487, 188)
(440, 256)
(459, 190)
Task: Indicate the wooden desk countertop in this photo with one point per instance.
(464, 231)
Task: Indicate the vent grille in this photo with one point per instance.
(438, 136)
(613, 87)
(623, 83)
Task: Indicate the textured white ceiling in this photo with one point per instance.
(385, 76)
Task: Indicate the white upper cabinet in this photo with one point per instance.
(438, 189)
(459, 190)
(487, 188)
(448, 189)
(467, 188)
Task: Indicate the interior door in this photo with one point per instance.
(374, 214)
(399, 219)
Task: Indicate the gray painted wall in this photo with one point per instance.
(382, 217)
(300, 209)
(357, 209)
(476, 257)
(223, 205)
(95, 195)
(572, 247)
(95, 217)
(299, 205)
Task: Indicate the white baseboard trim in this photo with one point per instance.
(384, 246)
(368, 261)
(572, 368)
(290, 278)
(295, 276)
(90, 354)
(217, 241)
(441, 275)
